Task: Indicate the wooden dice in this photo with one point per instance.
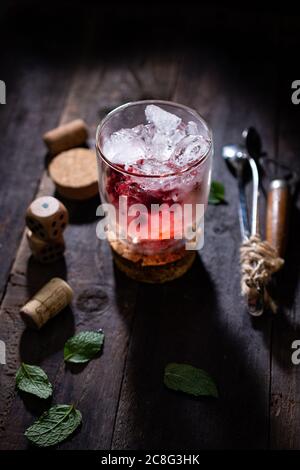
(46, 219)
(43, 251)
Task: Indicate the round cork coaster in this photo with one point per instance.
(152, 269)
(74, 173)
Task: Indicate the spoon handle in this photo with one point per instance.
(255, 196)
(277, 215)
(243, 213)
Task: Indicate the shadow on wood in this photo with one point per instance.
(288, 277)
(80, 212)
(35, 405)
(35, 346)
(38, 274)
(181, 322)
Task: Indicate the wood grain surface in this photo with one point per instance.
(234, 81)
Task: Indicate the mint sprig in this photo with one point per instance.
(217, 193)
(33, 380)
(54, 426)
(188, 379)
(83, 346)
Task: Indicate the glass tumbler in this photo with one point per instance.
(154, 220)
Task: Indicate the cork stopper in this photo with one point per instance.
(74, 173)
(67, 136)
(47, 302)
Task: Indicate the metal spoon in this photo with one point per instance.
(253, 143)
(234, 157)
(237, 157)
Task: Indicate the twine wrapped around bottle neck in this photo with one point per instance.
(259, 260)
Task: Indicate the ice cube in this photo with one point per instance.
(164, 121)
(124, 147)
(161, 148)
(191, 128)
(145, 132)
(189, 150)
(178, 135)
(164, 145)
(150, 166)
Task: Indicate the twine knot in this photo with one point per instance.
(259, 260)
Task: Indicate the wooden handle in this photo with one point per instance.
(277, 215)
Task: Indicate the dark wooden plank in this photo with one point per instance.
(285, 390)
(36, 92)
(103, 297)
(98, 303)
(201, 319)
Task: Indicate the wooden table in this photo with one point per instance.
(236, 74)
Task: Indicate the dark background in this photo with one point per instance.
(234, 64)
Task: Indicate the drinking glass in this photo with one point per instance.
(158, 216)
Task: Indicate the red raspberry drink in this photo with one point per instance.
(154, 160)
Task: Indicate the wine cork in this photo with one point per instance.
(43, 251)
(47, 302)
(67, 136)
(74, 173)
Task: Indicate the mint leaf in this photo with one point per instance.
(189, 379)
(32, 379)
(83, 346)
(54, 426)
(217, 193)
